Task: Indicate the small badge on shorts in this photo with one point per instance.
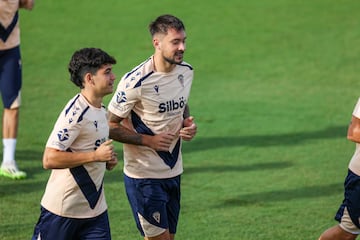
(156, 216)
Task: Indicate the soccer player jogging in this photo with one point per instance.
(10, 82)
(348, 214)
(78, 152)
(149, 113)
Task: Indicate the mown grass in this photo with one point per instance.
(275, 85)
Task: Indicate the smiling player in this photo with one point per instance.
(78, 152)
(149, 113)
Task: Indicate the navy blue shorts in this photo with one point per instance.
(351, 199)
(10, 75)
(156, 200)
(51, 226)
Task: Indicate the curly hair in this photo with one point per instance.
(165, 22)
(87, 60)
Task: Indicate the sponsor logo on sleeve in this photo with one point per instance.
(120, 97)
(63, 135)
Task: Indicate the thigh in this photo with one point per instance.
(149, 202)
(337, 233)
(173, 204)
(10, 77)
(97, 228)
(349, 212)
(132, 192)
(51, 226)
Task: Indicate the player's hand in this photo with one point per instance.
(189, 130)
(110, 165)
(105, 152)
(160, 142)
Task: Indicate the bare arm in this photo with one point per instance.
(118, 132)
(26, 4)
(56, 159)
(353, 133)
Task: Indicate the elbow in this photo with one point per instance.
(46, 167)
(353, 134)
(353, 139)
(46, 162)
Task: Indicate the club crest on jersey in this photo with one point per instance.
(63, 135)
(181, 79)
(120, 97)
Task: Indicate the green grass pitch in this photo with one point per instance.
(275, 85)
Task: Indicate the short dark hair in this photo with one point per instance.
(165, 22)
(87, 60)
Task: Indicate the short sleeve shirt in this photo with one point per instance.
(77, 192)
(9, 24)
(153, 102)
(354, 164)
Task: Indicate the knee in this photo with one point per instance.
(337, 233)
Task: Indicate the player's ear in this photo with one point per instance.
(156, 43)
(88, 79)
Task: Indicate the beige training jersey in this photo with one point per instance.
(354, 165)
(9, 24)
(78, 192)
(153, 102)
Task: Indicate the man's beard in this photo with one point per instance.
(172, 61)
